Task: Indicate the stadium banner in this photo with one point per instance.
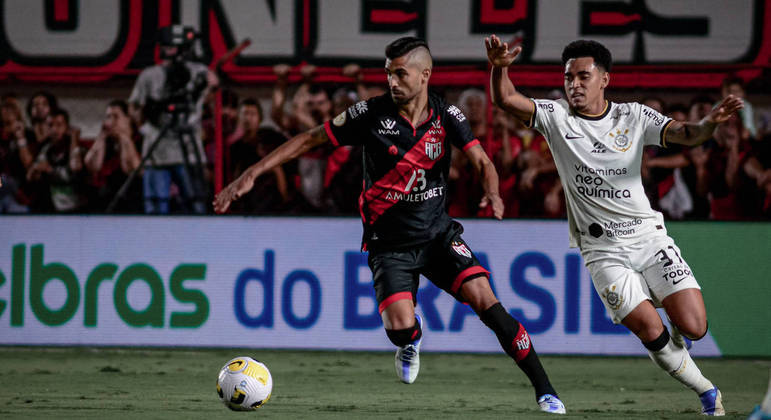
(303, 283)
(688, 43)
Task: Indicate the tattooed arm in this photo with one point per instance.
(693, 134)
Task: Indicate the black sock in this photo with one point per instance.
(516, 343)
(406, 336)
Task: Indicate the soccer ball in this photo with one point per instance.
(244, 384)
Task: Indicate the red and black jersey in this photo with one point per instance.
(403, 201)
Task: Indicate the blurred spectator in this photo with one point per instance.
(464, 194)
(343, 173)
(363, 91)
(271, 193)
(667, 181)
(228, 125)
(111, 159)
(39, 108)
(15, 157)
(699, 108)
(734, 85)
(728, 173)
(310, 107)
(655, 103)
(178, 156)
(58, 168)
(249, 121)
(537, 183)
(472, 102)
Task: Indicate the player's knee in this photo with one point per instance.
(694, 329)
(405, 336)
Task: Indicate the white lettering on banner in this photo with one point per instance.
(640, 32)
(682, 31)
(254, 283)
(272, 31)
(723, 24)
(340, 34)
(96, 25)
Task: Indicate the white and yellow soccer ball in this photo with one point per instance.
(244, 384)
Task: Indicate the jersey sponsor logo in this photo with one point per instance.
(461, 249)
(436, 128)
(589, 182)
(433, 148)
(620, 111)
(621, 142)
(617, 229)
(657, 118)
(455, 112)
(598, 147)
(396, 196)
(357, 109)
(579, 167)
(546, 106)
(339, 120)
(573, 136)
(388, 125)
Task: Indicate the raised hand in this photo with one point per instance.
(498, 52)
(232, 192)
(495, 201)
(722, 112)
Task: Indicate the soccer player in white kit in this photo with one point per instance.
(597, 147)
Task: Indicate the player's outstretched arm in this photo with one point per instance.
(486, 169)
(503, 92)
(692, 134)
(293, 148)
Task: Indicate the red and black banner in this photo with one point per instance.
(685, 43)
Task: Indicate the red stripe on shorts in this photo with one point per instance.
(393, 298)
(477, 269)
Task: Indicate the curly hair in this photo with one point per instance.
(588, 48)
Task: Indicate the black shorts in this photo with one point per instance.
(447, 261)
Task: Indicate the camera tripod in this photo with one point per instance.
(176, 124)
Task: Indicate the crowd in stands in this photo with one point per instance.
(46, 167)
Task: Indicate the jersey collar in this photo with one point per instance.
(595, 117)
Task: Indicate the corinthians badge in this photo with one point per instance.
(614, 299)
(621, 142)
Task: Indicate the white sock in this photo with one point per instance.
(766, 404)
(676, 361)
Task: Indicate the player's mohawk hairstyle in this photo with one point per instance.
(404, 45)
(588, 48)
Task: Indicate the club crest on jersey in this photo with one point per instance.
(388, 127)
(433, 148)
(614, 299)
(621, 142)
(461, 249)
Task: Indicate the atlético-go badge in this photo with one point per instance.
(461, 249)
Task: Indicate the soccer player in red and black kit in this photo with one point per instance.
(406, 137)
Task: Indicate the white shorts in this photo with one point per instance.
(628, 275)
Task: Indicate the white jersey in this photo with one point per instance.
(598, 159)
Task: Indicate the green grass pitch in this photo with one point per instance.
(118, 383)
